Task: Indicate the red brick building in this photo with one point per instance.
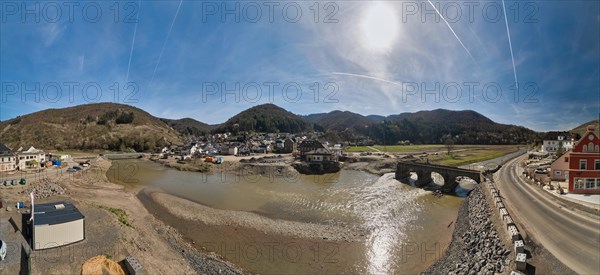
(584, 165)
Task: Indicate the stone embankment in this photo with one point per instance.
(477, 246)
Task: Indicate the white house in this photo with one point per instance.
(30, 159)
(337, 150)
(555, 140)
(193, 149)
(8, 161)
(319, 155)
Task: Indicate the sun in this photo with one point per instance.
(379, 28)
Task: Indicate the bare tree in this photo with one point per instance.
(449, 142)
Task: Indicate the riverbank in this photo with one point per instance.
(476, 245)
(134, 231)
(266, 165)
(191, 211)
(261, 243)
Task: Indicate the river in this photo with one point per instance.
(406, 228)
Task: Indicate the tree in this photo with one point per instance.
(560, 151)
(32, 163)
(449, 143)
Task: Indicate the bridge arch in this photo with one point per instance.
(424, 173)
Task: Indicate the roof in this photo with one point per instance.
(311, 144)
(553, 135)
(5, 151)
(48, 214)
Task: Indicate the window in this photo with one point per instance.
(579, 184)
(590, 184)
(582, 164)
(566, 159)
(597, 164)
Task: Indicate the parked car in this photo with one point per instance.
(540, 170)
(2, 250)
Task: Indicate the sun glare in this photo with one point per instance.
(379, 27)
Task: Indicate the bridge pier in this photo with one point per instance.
(424, 178)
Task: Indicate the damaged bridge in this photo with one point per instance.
(424, 170)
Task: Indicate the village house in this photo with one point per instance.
(552, 141)
(315, 151)
(560, 168)
(31, 158)
(337, 150)
(230, 149)
(289, 145)
(584, 164)
(8, 161)
(309, 145)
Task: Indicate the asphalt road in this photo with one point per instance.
(491, 163)
(572, 238)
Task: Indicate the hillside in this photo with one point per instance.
(582, 129)
(433, 127)
(422, 127)
(442, 116)
(189, 126)
(376, 118)
(265, 118)
(106, 126)
(340, 120)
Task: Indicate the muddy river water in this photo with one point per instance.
(405, 228)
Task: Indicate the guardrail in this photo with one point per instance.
(511, 228)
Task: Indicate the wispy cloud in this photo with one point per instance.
(452, 30)
(165, 42)
(133, 42)
(81, 62)
(369, 77)
(51, 32)
(512, 57)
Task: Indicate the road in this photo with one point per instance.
(32, 176)
(572, 238)
(491, 163)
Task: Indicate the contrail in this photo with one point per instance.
(165, 42)
(452, 30)
(510, 45)
(133, 43)
(390, 97)
(369, 77)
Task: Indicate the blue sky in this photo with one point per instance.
(179, 59)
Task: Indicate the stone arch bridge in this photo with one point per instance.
(424, 170)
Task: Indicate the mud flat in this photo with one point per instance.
(276, 245)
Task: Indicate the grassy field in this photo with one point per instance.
(356, 149)
(461, 154)
(396, 148)
(408, 148)
(468, 156)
